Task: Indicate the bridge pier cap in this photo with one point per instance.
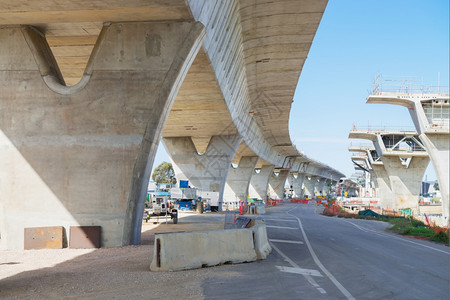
(82, 155)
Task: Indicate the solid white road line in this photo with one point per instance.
(394, 237)
(319, 264)
(285, 241)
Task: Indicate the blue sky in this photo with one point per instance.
(356, 40)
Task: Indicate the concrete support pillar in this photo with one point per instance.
(276, 184)
(82, 155)
(207, 171)
(437, 147)
(320, 186)
(238, 180)
(309, 183)
(296, 181)
(405, 181)
(383, 186)
(260, 182)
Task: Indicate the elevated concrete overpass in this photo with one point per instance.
(90, 87)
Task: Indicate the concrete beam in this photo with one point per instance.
(259, 182)
(238, 180)
(207, 171)
(82, 155)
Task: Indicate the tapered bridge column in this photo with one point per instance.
(383, 186)
(405, 180)
(276, 184)
(260, 182)
(319, 187)
(309, 183)
(238, 180)
(82, 155)
(296, 181)
(207, 171)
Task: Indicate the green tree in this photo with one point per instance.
(164, 174)
(436, 186)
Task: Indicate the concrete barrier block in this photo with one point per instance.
(261, 242)
(191, 250)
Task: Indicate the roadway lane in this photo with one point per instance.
(318, 257)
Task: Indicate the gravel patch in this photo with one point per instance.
(105, 273)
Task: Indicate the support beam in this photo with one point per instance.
(259, 182)
(238, 180)
(207, 171)
(82, 155)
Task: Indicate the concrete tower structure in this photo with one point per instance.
(404, 160)
(430, 112)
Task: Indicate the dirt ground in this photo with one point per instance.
(105, 273)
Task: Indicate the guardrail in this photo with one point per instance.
(405, 85)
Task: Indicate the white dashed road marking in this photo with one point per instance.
(285, 241)
(281, 227)
(300, 271)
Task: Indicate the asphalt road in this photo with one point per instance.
(318, 257)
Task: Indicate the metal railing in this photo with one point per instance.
(405, 85)
(382, 127)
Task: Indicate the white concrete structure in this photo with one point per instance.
(90, 87)
(404, 161)
(259, 182)
(238, 180)
(309, 185)
(207, 171)
(276, 184)
(430, 112)
(296, 182)
(83, 154)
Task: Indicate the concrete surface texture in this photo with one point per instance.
(259, 182)
(403, 168)
(207, 171)
(193, 250)
(84, 156)
(276, 184)
(383, 184)
(238, 180)
(88, 87)
(405, 181)
(296, 181)
(309, 184)
(319, 188)
(433, 130)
